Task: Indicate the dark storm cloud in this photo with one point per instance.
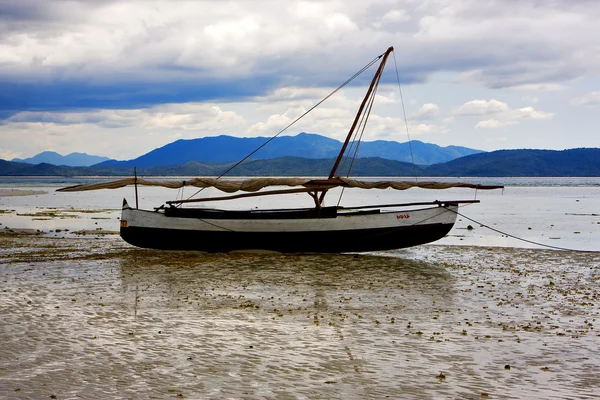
(23, 10)
(78, 94)
(127, 54)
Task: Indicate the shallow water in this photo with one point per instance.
(557, 216)
(96, 318)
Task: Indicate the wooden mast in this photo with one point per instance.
(358, 114)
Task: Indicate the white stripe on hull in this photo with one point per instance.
(386, 219)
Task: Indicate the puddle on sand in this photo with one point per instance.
(59, 222)
(98, 318)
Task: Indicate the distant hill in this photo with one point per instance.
(296, 166)
(11, 168)
(573, 162)
(282, 166)
(71, 160)
(227, 149)
(424, 153)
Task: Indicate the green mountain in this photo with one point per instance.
(573, 162)
(227, 149)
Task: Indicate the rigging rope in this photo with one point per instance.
(359, 132)
(520, 238)
(412, 156)
(363, 69)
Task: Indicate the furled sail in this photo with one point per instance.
(256, 184)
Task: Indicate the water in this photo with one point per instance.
(557, 212)
(475, 315)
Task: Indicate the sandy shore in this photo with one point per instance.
(20, 192)
(96, 318)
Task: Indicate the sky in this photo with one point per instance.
(121, 78)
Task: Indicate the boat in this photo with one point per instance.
(316, 228)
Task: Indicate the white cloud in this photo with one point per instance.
(481, 107)
(421, 129)
(308, 9)
(427, 111)
(531, 99)
(494, 123)
(7, 154)
(590, 99)
(274, 123)
(97, 131)
(190, 116)
(449, 120)
(503, 115)
(530, 113)
(296, 93)
(395, 15)
(340, 23)
(539, 87)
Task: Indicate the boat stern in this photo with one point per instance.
(123, 223)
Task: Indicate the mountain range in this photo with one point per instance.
(573, 162)
(228, 149)
(71, 160)
(313, 155)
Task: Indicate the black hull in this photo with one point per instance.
(286, 242)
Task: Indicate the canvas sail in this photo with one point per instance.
(256, 184)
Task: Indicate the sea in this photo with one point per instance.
(506, 306)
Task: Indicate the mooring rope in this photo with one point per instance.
(522, 239)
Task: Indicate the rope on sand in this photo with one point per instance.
(522, 239)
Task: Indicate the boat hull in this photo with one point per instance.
(345, 232)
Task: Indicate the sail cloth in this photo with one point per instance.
(255, 184)
(403, 185)
(228, 186)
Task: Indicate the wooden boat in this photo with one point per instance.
(318, 228)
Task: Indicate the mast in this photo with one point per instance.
(135, 182)
(372, 86)
(360, 110)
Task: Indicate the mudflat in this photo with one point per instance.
(20, 192)
(93, 317)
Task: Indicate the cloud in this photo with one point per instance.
(531, 99)
(133, 130)
(395, 15)
(416, 129)
(493, 123)
(540, 87)
(427, 111)
(530, 113)
(590, 99)
(155, 126)
(502, 114)
(7, 154)
(526, 43)
(198, 117)
(481, 107)
(87, 53)
(89, 71)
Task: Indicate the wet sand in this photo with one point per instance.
(20, 192)
(92, 317)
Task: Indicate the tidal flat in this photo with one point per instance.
(92, 317)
